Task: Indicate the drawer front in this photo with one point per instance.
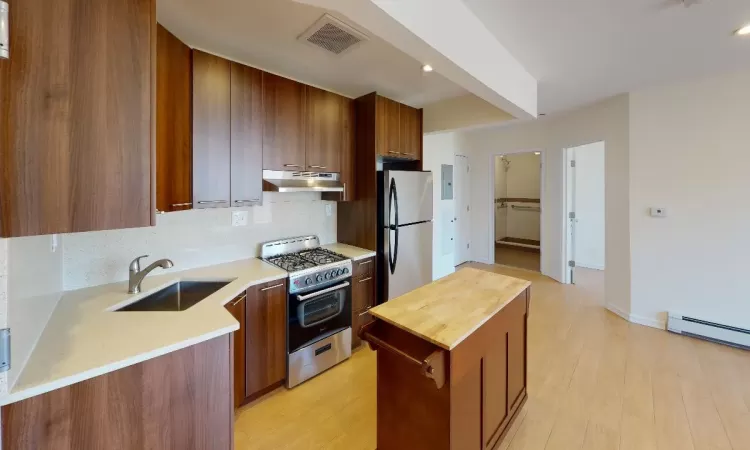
(364, 268)
(363, 293)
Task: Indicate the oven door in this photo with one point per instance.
(318, 314)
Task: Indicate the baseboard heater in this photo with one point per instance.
(710, 331)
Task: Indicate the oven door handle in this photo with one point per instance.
(324, 291)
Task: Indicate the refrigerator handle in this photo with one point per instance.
(393, 200)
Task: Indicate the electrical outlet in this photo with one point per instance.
(329, 210)
(658, 211)
(239, 218)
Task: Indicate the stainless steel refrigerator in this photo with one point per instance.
(405, 241)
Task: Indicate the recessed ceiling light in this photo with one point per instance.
(744, 31)
(427, 68)
(537, 153)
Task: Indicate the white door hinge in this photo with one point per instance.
(573, 163)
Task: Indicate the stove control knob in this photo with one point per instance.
(328, 275)
(346, 270)
(308, 281)
(340, 272)
(319, 278)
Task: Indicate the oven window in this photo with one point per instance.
(320, 309)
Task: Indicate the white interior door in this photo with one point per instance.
(462, 209)
(589, 206)
(570, 231)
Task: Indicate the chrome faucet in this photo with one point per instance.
(137, 275)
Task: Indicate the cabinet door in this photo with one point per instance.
(387, 127)
(411, 132)
(266, 336)
(325, 131)
(359, 320)
(211, 131)
(174, 148)
(284, 124)
(77, 113)
(247, 135)
(237, 308)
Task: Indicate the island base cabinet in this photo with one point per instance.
(468, 402)
(181, 400)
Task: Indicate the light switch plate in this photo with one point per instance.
(239, 218)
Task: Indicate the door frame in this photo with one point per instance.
(491, 203)
(456, 230)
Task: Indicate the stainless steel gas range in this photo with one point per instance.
(319, 306)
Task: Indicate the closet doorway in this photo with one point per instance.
(518, 210)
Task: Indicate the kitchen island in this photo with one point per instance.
(451, 360)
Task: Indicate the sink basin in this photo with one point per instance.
(176, 297)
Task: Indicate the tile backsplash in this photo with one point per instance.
(194, 238)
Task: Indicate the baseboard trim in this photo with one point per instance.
(636, 319)
(589, 266)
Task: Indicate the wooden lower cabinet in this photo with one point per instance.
(179, 400)
(473, 395)
(363, 296)
(237, 308)
(266, 320)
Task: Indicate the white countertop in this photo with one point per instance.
(83, 339)
(355, 253)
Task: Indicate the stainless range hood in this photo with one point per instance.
(288, 181)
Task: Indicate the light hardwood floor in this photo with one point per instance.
(595, 382)
(509, 256)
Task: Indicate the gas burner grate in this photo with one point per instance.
(290, 262)
(321, 256)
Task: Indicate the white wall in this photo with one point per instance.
(441, 149)
(589, 205)
(523, 179)
(690, 152)
(194, 238)
(524, 176)
(461, 112)
(604, 121)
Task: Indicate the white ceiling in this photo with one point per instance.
(263, 34)
(585, 50)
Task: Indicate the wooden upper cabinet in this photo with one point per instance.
(410, 136)
(247, 135)
(388, 127)
(266, 321)
(284, 123)
(76, 136)
(211, 131)
(325, 130)
(174, 148)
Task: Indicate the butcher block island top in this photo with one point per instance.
(450, 309)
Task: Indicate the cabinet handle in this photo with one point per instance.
(248, 201)
(239, 300)
(318, 167)
(272, 287)
(344, 195)
(365, 279)
(365, 311)
(208, 202)
(292, 165)
(182, 204)
(395, 153)
(160, 212)
(369, 261)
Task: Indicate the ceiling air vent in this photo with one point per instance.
(332, 35)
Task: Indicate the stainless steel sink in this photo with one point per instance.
(176, 297)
